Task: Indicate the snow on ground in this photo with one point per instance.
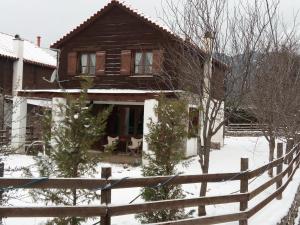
(225, 160)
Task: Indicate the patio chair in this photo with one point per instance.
(135, 146)
(111, 143)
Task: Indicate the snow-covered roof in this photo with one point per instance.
(32, 53)
(101, 91)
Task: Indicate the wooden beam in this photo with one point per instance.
(207, 220)
(81, 183)
(182, 179)
(78, 183)
(174, 204)
(63, 211)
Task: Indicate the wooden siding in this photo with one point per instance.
(141, 97)
(6, 74)
(218, 88)
(115, 31)
(33, 77)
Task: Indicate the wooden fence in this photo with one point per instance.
(106, 210)
(243, 127)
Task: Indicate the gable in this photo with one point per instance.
(118, 26)
(113, 13)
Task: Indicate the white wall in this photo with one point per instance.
(149, 115)
(191, 147)
(58, 114)
(219, 136)
(18, 126)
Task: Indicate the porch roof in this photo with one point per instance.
(133, 95)
(99, 91)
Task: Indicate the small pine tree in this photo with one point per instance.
(165, 140)
(69, 157)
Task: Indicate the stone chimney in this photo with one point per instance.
(18, 46)
(38, 41)
(208, 46)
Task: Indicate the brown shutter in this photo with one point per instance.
(157, 61)
(72, 63)
(125, 62)
(100, 63)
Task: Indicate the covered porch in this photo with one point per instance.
(126, 121)
(131, 112)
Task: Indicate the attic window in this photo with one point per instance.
(87, 63)
(143, 62)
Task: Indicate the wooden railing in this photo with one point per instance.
(237, 127)
(5, 136)
(106, 184)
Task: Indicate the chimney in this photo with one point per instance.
(208, 45)
(38, 41)
(18, 46)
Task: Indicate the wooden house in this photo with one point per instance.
(124, 52)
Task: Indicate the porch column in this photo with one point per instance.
(218, 138)
(149, 115)
(18, 126)
(58, 114)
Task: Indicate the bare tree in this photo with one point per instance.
(274, 97)
(216, 48)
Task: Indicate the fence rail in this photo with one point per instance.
(245, 127)
(106, 184)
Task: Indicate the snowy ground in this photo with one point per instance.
(225, 160)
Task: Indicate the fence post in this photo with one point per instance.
(244, 188)
(1, 192)
(279, 168)
(105, 195)
(289, 146)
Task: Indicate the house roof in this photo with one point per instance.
(32, 53)
(114, 3)
(150, 21)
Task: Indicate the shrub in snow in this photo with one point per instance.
(69, 156)
(166, 142)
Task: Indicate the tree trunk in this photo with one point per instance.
(271, 153)
(74, 193)
(205, 166)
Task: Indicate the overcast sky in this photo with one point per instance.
(51, 19)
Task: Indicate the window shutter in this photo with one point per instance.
(72, 63)
(157, 61)
(100, 63)
(125, 62)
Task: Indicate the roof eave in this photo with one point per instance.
(39, 64)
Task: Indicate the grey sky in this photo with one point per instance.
(51, 19)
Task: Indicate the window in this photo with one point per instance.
(87, 63)
(193, 122)
(143, 62)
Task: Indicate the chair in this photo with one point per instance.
(135, 146)
(111, 143)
